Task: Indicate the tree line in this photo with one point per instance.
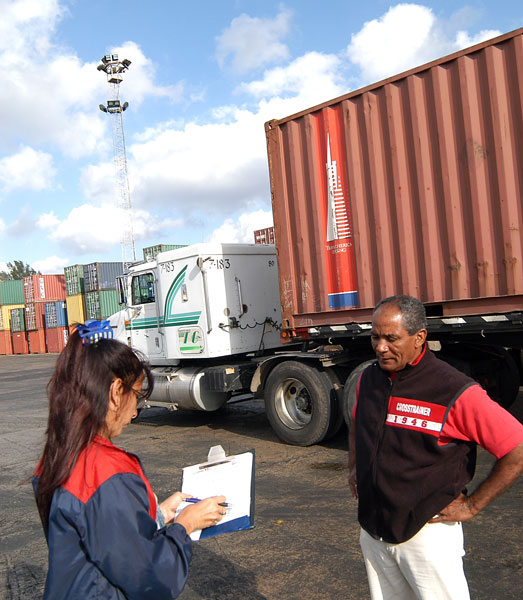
(17, 270)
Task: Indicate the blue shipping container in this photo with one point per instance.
(55, 314)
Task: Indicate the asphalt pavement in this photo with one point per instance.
(304, 545)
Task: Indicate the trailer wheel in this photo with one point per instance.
(349, 390)
(300, 402)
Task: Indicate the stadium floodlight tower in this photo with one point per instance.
(114, 70)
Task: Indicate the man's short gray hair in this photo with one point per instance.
(411, 309)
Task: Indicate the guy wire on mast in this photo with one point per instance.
(114, 70)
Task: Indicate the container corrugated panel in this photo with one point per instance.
(75, 309)
(413, 185)
(55, 314)
(12, 292)
(17, 319)
(56, 339)
(74, 280)
(44, 288)
(36, 341)
(264, 236)
(103, 304)
(6, 344)
(19, 342)
(5, 315)
(101, 276)
(34, 316)
(151, 252)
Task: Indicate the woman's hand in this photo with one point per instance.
(203, 514)
(170, 505)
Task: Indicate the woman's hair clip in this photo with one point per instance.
(93, 330)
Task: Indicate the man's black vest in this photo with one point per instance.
(404, 477)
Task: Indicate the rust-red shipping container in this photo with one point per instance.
(19, 342)
(44, 288)
(413, 185)
(35, 316)
(36, 341)
(56, 338)
(6, 345)
(264, 236)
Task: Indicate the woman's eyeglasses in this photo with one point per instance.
(141, 398)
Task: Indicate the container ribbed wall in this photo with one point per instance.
(429, 180)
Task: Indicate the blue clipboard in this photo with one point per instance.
(229, 476)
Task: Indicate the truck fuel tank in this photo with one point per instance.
(183, 388)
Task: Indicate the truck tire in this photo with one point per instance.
(349, 390)
(300, 403)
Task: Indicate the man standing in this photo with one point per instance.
(412, 450)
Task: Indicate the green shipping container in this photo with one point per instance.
(100, 305)
(12, 291)
(17, 319)
(152, 251)
(74, 280)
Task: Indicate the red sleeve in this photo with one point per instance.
(356, 403)
(474, 417)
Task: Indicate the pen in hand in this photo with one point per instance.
(195, 500)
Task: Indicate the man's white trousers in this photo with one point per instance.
(429, 566)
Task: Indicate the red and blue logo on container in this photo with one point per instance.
(335, 211)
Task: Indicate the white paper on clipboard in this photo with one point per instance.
(221, 475)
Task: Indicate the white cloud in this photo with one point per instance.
(464, 40)
(312, 75)
(51, 265)
(242, 230)
(27, 169)
(47, 221)
(202, 168)
(406, 36)
(99, 229)
(394, 42)
(253, 42)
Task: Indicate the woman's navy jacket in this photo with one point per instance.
(102, 537)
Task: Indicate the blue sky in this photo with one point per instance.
(203, 80)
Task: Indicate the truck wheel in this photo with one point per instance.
(349, 390)
(299, 402)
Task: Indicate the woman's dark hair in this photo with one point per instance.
(78, 395)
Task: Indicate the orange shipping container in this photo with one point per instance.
(412, 185)
(36, 341)
(56, 338)
(44, 288)
(19, 342)
(6, 345)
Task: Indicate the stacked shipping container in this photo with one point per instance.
(11, 297)
(39, 290)
(18, 332)
(75, 297)
(38, 313)
(264, 236)
(101, 296)
(151, 252)
(56, 327)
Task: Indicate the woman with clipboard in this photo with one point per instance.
(97, 507)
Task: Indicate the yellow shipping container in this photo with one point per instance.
(5, 321)
(75, 309)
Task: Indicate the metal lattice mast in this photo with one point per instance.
(114, 69)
